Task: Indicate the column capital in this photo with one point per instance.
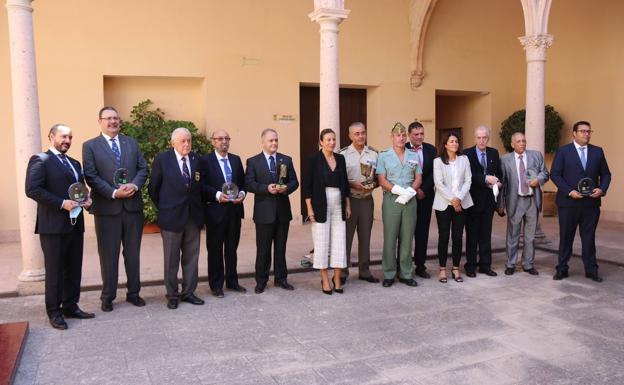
(329, 9)
(25, 5)
(536, 45)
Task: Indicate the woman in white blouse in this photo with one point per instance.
(452, 178)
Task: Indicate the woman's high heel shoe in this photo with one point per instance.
(338, 290)
(328, 292)
(442, 275)
(457, 277)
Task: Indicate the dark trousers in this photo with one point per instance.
(267, 235)
(421, 233)
(479, 239)
(112, 232)
(586, 219)
(181, 248)
(222, 243)
(361, 220)
(62, 255)
(453, 222)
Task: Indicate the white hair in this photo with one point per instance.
(484, 128)
(515, 135)
(356, 125)
(179, 130)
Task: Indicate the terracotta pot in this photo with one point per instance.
(550, 206)
(151, 228)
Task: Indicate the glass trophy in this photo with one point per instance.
(368, 171)
(120, 176)
(283, 172)
(230, 191)
(586, 186)
(78, 192)
(530, 175)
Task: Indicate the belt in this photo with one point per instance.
(525, 196)
(362, 197)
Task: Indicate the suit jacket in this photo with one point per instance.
(481, 194)
(176, 200)
(47, 182)
(567, 171)
(269, 207)
(212, 180)
(443, 179)
(429, 154)
(508, 197)
(99, 167)
(314, 186)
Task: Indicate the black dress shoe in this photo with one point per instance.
(490, 272)
(259, 289)
(560, 275)
(136, 301)
(192, 299)
(218, 293)
(531, 271)
(471, 274)
(387, 282)
(77, 313)
(510, 270)
(237, 288)
(172, 303)
(370, 279)
(107, 306)
(58, 322)
(284, 284)
(408, 282)
(422, 274)
(594, 277)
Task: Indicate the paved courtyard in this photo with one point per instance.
(504, 330)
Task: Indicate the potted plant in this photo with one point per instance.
(516, 122)
(153, 133)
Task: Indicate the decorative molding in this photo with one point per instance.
(536, 41)
(419, 14)
(25, 5)
(329, 9)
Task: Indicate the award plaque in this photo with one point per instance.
(230, 191)
(120, 176)
(78, 192)
(586, 186)
(368, 171)
(283, 173)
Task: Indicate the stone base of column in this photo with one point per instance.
(31, 275)
(30, 288)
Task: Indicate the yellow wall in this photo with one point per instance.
(470, 46)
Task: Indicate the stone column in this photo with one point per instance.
(329, 14)
(26, 127)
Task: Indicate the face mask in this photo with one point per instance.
(73, 214)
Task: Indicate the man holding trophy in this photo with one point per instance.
(361, 164)
(271, 177)
(581, 174)
(223, 191)
(55, 182)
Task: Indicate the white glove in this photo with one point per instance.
(398, 190)
(495, 191)
(402, 199)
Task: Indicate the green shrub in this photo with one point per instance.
(516, 122)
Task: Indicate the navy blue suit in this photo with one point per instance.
(584, 213)
(223, 220)
(47, 182)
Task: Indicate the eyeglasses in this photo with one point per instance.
(222, 139)
(585, 132)
(109, 118)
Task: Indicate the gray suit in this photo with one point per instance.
(117, 221)
(521, 209)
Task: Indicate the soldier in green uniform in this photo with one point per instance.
(400, 175)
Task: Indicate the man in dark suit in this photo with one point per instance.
(175, 189)
(573, 162)
(486, 172)
(272, 214)
(117, 205)
(60, 225)
(222, 214)
(424, 195)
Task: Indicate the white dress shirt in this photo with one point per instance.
(222, 166)
(110, 144)
(179, 158)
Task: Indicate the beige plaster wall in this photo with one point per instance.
(253, 54)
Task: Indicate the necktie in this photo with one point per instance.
(185, 171)
(583, 158)
(227, 169)
(67, 165)
(524, 187)
(482, 161)
(272, 168)
(116, 152)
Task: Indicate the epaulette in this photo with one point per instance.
(343, 149)
(372, 149)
